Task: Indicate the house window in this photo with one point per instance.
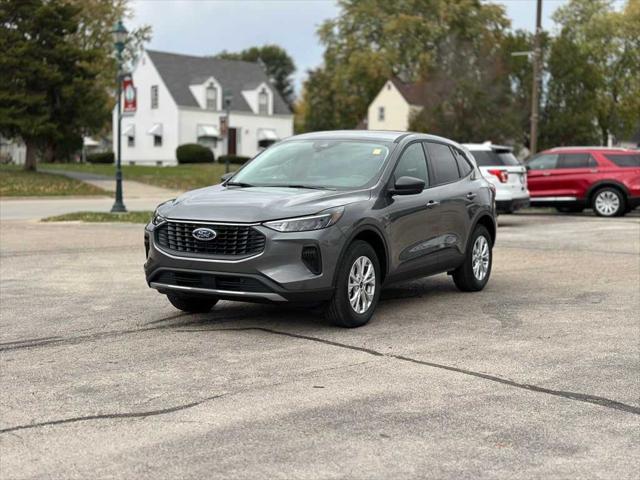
(212, 97)
(157, 140)
(131, 141)
(154, 96)
(263, 102)
(381, 114)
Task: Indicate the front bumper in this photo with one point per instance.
(277, 274)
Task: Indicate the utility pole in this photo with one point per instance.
(535, 90)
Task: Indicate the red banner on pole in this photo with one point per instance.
(129, 94)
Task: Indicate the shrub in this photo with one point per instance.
(233, 159)
(194, 153)
(101, 157)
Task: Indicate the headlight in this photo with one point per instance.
(157, 219)
(304, 224)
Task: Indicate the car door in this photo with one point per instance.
(451, 195)
(539, 170)
(410, 219)
(573, 175)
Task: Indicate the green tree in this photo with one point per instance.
(57, 71)
(277, 63)
(594, 74)
(374, 39)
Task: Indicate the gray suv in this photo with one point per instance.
(327, 218)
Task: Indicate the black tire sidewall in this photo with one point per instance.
(463, 276)
(340, 303)
(621, 205)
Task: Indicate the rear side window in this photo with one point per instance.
(463, 164)
(576, 160)
(443, 166)
(625, 160)
(543, 162)
(494, 158)
(412, 164)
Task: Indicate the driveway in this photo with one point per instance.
(535, 377)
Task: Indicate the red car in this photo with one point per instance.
(574, 178)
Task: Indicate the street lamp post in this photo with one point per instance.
(119, 37)
(227, 106)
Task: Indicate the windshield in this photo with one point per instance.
(334, 164)
(493, 158)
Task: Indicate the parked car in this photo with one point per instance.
(574, 178)
(498, 164)
(328, 218)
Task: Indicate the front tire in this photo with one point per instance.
(474, 273)
(192, 304)
(357, 287)
(609, 202)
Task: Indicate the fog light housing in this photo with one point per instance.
(312, 259)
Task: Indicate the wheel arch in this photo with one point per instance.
(606, 184)
(489, 223)
(374, 237)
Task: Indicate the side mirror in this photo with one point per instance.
(226, 176)
(407, 186)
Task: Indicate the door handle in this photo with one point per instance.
(432, 203)
(471, 195)
(546, 174)
(593, 170)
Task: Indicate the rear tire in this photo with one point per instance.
(608, 202)
(191, 304)
(354, 284)
(474, 273)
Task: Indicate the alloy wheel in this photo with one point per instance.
(480, 258)
(361, 286)
(607, 203)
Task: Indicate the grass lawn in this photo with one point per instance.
(180, 177)
(15, 182)
(100, 217)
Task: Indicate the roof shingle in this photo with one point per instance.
(179, 71)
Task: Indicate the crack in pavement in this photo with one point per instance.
(581, 397)
(107, 416)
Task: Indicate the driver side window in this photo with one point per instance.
(412, 163)
(543, 162)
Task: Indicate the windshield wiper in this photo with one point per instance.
(310, 187)
(239, 184)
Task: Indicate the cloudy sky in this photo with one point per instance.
(205, 27)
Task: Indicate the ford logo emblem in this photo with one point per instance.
(204, 234)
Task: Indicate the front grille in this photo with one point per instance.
(211, 282)
(231, 240)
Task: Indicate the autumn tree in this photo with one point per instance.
(278, 65)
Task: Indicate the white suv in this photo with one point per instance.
(498, 164)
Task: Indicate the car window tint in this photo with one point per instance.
(463, 164)
(494, 158)
(625, 160)
(575, 160)
(412, 164)
(443, 165)
(543, 162)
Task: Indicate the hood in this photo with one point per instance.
(255, 204)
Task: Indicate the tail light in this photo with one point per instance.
(502, 175)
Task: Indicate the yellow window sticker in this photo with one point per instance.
(377, 151)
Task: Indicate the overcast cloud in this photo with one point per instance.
(206, 27)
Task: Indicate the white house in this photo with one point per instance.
(393, 106)
(180, 100)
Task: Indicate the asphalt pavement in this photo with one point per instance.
(535, 377)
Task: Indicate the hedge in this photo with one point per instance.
(234, 159)
(102, 157)
(194, 153)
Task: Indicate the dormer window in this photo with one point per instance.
(211, 97)
(263, 102)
